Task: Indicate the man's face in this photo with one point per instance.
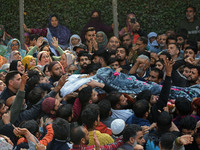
(57, 70)
(153, 77)
(115, 65)
(163, 39)
(94, 96)
(96, 59)
(186, 72)
(127, 41)
(84, 62)
(141, 46)
(3, 110)
(190, 13)
(113, 43)
(193, 75)
(57, 105)
(90, 36)
(189, 53)
(121, 54)
(172, 50)
(15, 82)
(139, 138)
(180, 40)
(187, 132)
(123, 101)
(86, 138)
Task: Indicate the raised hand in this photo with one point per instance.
(40, 40)
(55, 42)
(185, 139)
(6, 117)
(168, 66)
(27, 29)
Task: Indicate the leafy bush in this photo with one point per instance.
(153, 15)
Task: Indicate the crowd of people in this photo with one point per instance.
(91, 91)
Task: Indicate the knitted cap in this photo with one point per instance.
(117, 126)
(48, 105)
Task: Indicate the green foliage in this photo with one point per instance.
(153, 15)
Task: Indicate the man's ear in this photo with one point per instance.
(132, 140)
(53, 112)
(83, 141)
(118, 106)
(90, 101)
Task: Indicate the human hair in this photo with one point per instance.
(143, 39)
(166, 54)
(34, 78)
(144, 57)
(61, 129)
(128, 132)
(92, 68)
(160, 72)
(163, 122)
(84, 95)
(167, 140)
(10, 76)
(170, 38)
(1, 103)
(114, 98)
(51, 64)
(197, 133)
(192, 48)
(64, 111)
(183, 105)
(190, 6)
(140, 108)
(35, 95)
(90, 29)
(145, 94)
(90, 115)
(104, 107)
(31, 125)
(77, 134)
(103, 54)
(188, 123)
(126, 50)
(136, 127)
(112, 60)
(33, 37)
(83, 53)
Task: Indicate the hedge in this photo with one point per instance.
(153, 15)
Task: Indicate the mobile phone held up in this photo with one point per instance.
(133, 20)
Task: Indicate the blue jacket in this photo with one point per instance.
(139, 121)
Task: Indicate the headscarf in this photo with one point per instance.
(61, 32)
(4, 144)
(127, 23)
(12, 54)
(127, 29)
(70, 41)
(9, 50)
(5, 66)
(70, 58)
(26, 60)
(39, 57)
(3, 60)
(105, 40)
(13, 65)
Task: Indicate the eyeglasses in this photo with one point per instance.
(16, 44)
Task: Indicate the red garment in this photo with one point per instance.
(46, 139)
(76, 109)
(135, 37)
(112, 146)
(103, 128)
